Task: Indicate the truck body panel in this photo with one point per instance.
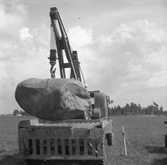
(65, 140)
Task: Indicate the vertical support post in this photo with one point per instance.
(70, 147)
(123, 134)
(34, 151)
(77, 147)
(56, 147)
(166, 141)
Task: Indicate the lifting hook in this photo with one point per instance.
(52, 59)
(52, 71)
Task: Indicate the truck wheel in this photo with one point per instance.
(109, 138)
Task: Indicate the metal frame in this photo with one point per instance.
(62, 43)
(63, 140)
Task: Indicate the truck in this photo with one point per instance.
(74, 141)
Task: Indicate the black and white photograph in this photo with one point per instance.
(83, 82)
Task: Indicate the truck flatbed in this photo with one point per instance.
(64, 140)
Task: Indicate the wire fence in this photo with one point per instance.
(125, 147)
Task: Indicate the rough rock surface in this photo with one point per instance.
(53, 99)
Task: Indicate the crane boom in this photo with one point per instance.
(63, 46)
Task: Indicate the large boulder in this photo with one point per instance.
(53, 99)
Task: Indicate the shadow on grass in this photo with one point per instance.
(11, 160)
(156, 150)
(159, 151)
(162, 161)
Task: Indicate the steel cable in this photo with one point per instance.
(135, 150)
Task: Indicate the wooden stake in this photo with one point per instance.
(123, 134)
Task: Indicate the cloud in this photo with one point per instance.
(129, 64)
(80, 36)
(12, 16)
(21, 57)
(23, 51)
(132, 59)
(24, 33)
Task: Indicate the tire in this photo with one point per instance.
(109, 138)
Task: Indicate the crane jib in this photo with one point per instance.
(63, 46)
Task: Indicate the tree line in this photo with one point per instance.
(128, 109)
(20, 112)
(136, 109)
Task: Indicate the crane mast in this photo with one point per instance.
(62, 47)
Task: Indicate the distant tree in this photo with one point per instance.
(160, 111)
(123, 111)
(110, 111)
(161, 108)
(114, 110)
(118, 110)
(136, 109)
(139, 109)
(16, 112)
(143, 111)
(23, 113)
(127, 109)
(165, 113)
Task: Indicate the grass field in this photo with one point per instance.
(145, 134)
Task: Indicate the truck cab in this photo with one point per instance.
(100, 103)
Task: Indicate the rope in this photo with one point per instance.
(135, 150)
(82, 76)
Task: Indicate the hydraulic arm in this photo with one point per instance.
(63, 48)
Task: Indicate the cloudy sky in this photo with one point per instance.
(122, 46)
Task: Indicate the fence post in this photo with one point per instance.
(123, 134)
